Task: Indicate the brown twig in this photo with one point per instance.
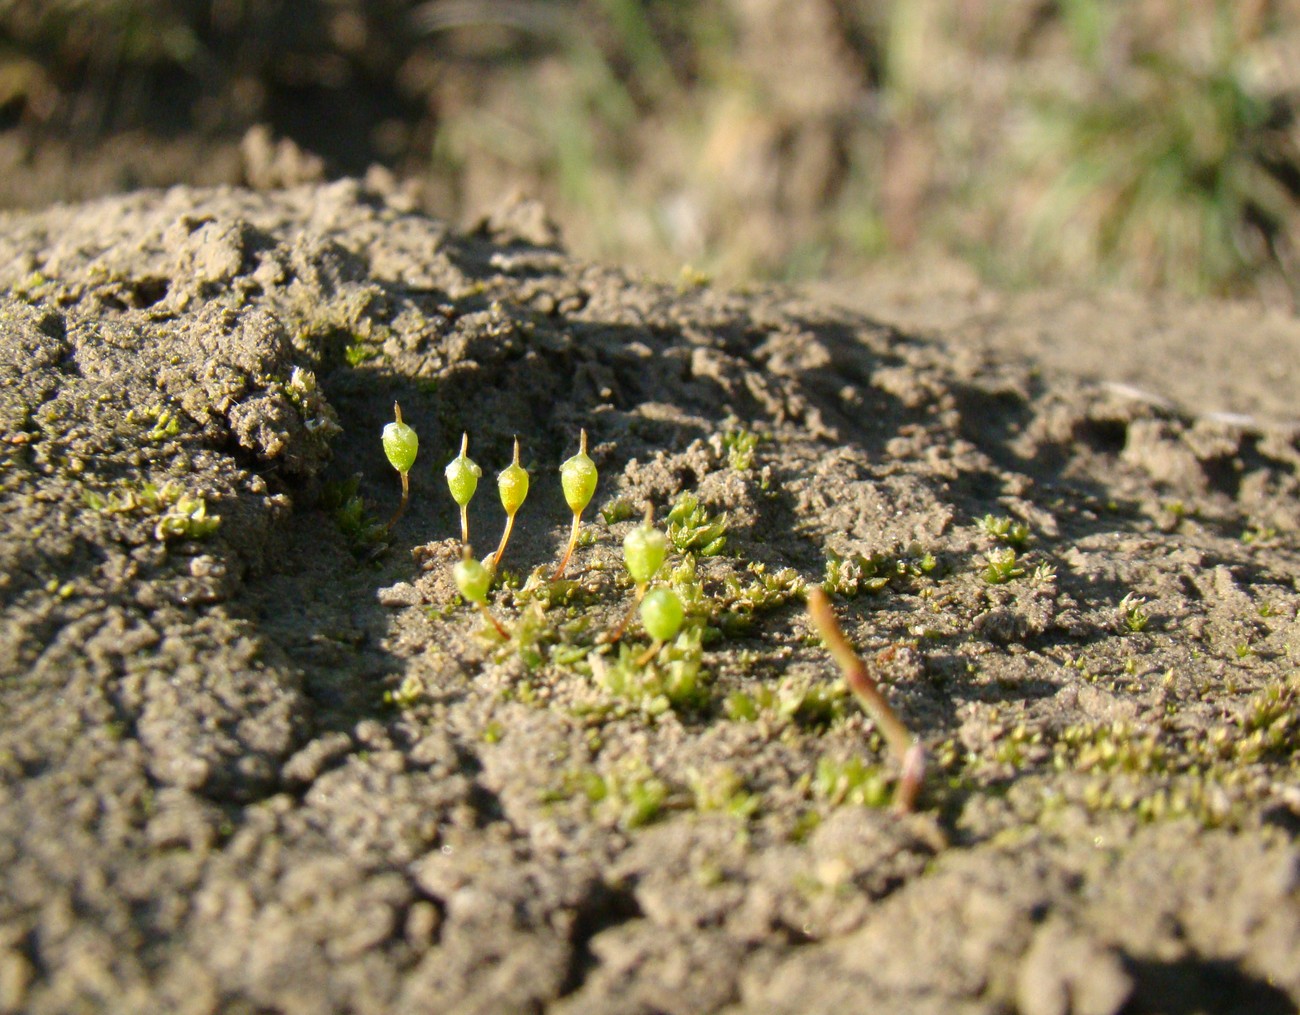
(909, 752)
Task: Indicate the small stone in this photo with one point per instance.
(1065, 972)
(305, 766)
(401, 594)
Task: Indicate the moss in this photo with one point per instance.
(722, 789)
(1006, 531)
(851, 781)
(180, 514)
(1001, 566)
(617, 511)
(673, 680)
(164, 423)
(691, 529)
(407, 694)
(739, 446)
(794, 699)
(857, 574)
(629, 795)
(342, 501)
(1133, 614)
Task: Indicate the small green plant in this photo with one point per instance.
(343, 502)
(617, 511)
(407, 694)
(723, 789)
(359, 352)
(400, 445)
(181, 515)
(1005, 530)
(578, 478)
(740, 445)
(693, 530)
(512, 485)
(1133, 613)
(462, 480)
(850, 782)
(672, 681)
(186, 518)
(636, 796)
(1001, 566)
(856, 573)
(473, 580)
(908, 751)
(165, 422)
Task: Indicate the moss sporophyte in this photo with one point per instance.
(512, 485)
(400, 445)
(662, 615)
(644, 550)
(578, 477)
(473, 581)
(462, 479)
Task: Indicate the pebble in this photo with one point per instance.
(401, 594)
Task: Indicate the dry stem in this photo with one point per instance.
(909, 752)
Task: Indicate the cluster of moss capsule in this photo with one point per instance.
(644, 548)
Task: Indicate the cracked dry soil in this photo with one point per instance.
(265, 768)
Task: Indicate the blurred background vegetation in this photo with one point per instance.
(1145, 143)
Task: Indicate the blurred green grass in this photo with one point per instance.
(1146, 143)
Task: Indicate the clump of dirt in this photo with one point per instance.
(254, 754)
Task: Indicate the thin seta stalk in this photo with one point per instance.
(402, 504)
(909, 752)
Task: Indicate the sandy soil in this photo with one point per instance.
(270, 764)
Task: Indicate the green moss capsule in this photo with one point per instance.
(472, 579)
(462, 479)
(644, 551)
(400, 445)
(578, 479)
(462, 474)
(662, 614)
(512, 485)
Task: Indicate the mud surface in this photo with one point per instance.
(267, 763)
